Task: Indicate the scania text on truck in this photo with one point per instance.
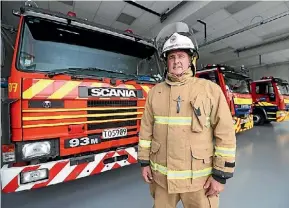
(76, 94)
(236, 88)
(271, 100)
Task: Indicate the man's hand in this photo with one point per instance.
(147, 174)
(213, 187)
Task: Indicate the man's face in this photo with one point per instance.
(178, 61)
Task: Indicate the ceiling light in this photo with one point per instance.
(239, 6)
(70, 3)
(126, 19)
(223, 50)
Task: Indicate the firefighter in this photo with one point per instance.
(187, 139)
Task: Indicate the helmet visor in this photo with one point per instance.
(177, 27)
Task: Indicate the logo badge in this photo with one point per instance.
(46, 104)
(173, 39)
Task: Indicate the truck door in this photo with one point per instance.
(265, 92)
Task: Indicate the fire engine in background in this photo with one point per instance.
(271, 100)
(76, 94)
(236, 88)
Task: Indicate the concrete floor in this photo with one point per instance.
(261, 180)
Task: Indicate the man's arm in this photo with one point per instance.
(224, 133)
(146, 132)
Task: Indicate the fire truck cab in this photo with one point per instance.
(271, 100)
(75, 97)
(236, 88)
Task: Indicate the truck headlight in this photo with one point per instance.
(36, 149)
(33, 176)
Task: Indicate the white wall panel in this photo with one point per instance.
(281, 71)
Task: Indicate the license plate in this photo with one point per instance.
(113, 133)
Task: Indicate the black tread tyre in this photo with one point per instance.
(259, 119)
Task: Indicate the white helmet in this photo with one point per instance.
(175, 36)
(177, 41)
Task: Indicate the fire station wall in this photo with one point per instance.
(281, 71)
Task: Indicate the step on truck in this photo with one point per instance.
(271, 100)
(236, 88)
(76, 92)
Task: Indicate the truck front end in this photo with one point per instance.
(270, 97)
(75, 98)
(283, 90)
(238, 89)
(243, 117)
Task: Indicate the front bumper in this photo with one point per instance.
(68, 169)
(243, 124)
(282, 116)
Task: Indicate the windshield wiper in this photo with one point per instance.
(68, 70)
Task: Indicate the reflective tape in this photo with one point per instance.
(225, 152)
(173, 120)
(144, 143)
(185, 174)
(208, 122)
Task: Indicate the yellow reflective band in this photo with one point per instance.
(173, 120)
(266, 104)
(189, 174)
(144, 143)
(243, 101)
(208, 122)
(33, 118)
(225, 152)
(36, 88)
(64, 90)
(157, 167)
(77, 109)
(185, 174)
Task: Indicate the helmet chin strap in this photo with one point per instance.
(193, 65)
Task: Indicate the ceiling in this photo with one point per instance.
(221, 18)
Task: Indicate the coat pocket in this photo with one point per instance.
(200, 113)
(155, 146)
(201, 162)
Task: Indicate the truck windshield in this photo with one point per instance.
(237, 83)
(283, 89)
(48, 46)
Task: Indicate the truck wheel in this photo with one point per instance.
(259, 119)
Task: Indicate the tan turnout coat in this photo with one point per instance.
(180, 145)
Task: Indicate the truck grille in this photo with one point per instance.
(112, 103)
(111, 125)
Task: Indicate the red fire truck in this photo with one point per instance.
(75, 96)
(236, 88)
(271, 100)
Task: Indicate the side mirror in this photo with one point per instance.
(2, 52)
(4, 82)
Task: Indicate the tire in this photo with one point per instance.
(259, 118)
